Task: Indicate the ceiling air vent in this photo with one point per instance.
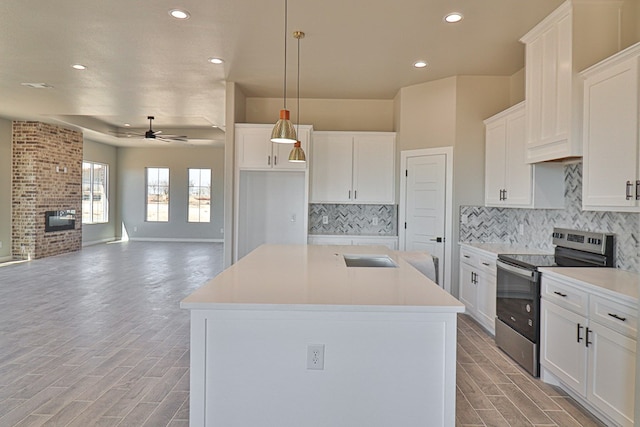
(37, 85)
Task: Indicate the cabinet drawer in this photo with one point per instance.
(619, 317)
(565, 296)
(478, 261)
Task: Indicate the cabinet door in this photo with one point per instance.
(331, 168)
(611, 153)
(373, 169)
(486, 300)
(253, 147)
(518, 173)
(562, 349)
(612, 363)
(468, 288)
(548, 91)
(495, 161)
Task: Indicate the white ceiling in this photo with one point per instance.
(142, 62)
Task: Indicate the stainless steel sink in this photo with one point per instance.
(369, 261)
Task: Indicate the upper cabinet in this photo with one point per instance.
(353, 167)
(611, 164)
(254, 149)
(576, 35)
(509, 180)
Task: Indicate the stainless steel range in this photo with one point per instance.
(518, 289)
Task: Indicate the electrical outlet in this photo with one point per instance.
(135, 229)
(464, 219)
(374, 220)
(520, 229)
(315, 356)
(325, 219)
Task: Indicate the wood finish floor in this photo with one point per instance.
(97, 338)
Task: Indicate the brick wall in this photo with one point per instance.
(41, 152)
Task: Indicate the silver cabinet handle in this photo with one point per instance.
(349, 194)
(504, 194)
(628, 190)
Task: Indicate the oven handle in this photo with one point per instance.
(532, 276)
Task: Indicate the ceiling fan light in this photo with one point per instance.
(297, 154)
(216, 60)
(284, 132)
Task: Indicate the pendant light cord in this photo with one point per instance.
(298, 90)
(285, 55)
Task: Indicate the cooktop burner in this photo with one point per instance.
(529, 261)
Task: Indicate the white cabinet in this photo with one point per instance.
(478, 285)
(573, 37)
(389, 241)
(254, 149)
(611, 164)
(353, 167)
(509, 180)
(588, 344)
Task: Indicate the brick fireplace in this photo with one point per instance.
(46, 176)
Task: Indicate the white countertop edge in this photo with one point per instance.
(327, 307)
(565, 273)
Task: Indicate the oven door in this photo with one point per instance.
(518, 299)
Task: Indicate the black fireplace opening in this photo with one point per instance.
(60, 220)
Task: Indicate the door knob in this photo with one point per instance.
(438, 239)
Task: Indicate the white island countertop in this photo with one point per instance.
(315, 278)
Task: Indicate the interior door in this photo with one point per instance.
(424, 221)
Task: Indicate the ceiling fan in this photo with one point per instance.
(154, 134)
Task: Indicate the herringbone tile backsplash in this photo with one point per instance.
(353, 219)
(500, 225)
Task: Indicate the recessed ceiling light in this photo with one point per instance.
(127, 125)
(214, 126)
(215, 60)
(453, 17)
(179, 14)
(420, 64)
(78, 67)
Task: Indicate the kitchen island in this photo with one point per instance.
(292, 336)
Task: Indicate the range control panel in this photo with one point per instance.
(600, 243)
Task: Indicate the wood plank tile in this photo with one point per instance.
(525, 405)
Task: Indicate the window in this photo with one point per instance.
(199, 195)
(95, 198)
(158, 194)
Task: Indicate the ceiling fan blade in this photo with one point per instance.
(120, 134)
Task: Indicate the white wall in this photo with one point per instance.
(5, 187)
(101, 153)
(131, 192)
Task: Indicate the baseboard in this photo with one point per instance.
(97, 242)
(6, 258)
(168, 239)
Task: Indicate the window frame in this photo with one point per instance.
(146, 194)
(189, 187)
(104, 197)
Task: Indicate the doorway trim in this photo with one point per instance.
(448, 214)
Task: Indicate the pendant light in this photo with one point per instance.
(284, 131)
(297, 153)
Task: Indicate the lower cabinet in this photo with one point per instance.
(389, 241)
(590, 358)
(478, 286)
